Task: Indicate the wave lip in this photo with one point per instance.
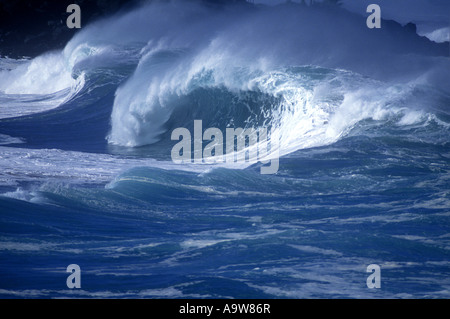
(45, 74)
(37, 85)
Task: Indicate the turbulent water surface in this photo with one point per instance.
(362, 122)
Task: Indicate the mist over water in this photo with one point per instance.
(360, 116)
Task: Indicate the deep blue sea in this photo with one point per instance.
(362, 120)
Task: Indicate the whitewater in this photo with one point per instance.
(360, 117)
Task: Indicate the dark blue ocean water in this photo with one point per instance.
(87, 177)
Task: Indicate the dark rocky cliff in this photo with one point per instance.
(29, 28)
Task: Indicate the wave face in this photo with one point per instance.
(361, 119)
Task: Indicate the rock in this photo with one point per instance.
(30, 28)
